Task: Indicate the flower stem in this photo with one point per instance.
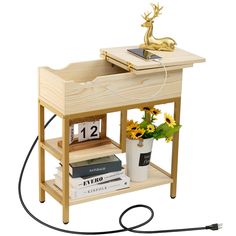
(147, 117)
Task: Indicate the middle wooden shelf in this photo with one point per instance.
(51, 146)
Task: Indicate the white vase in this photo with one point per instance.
(138, 155)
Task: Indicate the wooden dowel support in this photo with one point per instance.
(123, 124)
(41, 154)
(175, 149)
(65, 169)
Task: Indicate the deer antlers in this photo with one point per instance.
(156, 12)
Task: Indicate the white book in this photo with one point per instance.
(92, 180)
(112, 185)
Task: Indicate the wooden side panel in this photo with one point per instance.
(51, 89)
(120, 90)
(105, 91)
(87, 70)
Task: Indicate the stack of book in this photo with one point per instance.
(94, 176)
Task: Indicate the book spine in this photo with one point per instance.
(95, 169)
(84, 182)
(101, 188)
(121, 183)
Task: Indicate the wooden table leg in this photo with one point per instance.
(104, 126)
(65, 169)
(175, 149)
(123, 124)
(41, 152)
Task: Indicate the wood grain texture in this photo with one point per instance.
(104, 126)
(41, 152)
(51, 191)
(65, 169)
(160, 169)
(87, 71)
(75, 146)
(87, 119)
(46, 105)
(52, 89)
(121, 90)
(145, 71)
(50, 149)
(156, 178)
(85, 154)
(123, 125)
(52, 83)
(103, 91)
(178, 57)
(175, 150)
(119, 108)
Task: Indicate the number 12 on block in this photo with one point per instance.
(93, 129)
(88, 130)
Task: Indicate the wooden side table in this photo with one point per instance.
(94, 88)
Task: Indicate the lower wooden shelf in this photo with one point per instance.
(156, 177)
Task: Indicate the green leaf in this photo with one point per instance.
(143, 124)
(163, 131)
(147, 135)
(171, 131)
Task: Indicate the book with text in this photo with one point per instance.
(109, 186)
(81, 182)
(97, 166)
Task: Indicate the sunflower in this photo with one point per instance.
(155, 111)
(129, 135)
(137, 134)
(169, 120)
(133, 126)
(129, 122)
(150, 128)
(168, 139)
(147, 109)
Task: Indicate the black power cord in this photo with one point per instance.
(124, 228)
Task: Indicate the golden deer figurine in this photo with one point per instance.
(150, 42)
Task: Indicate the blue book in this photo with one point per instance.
(97, 166)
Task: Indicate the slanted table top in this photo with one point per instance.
(179, 57)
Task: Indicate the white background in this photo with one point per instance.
(55, 33)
